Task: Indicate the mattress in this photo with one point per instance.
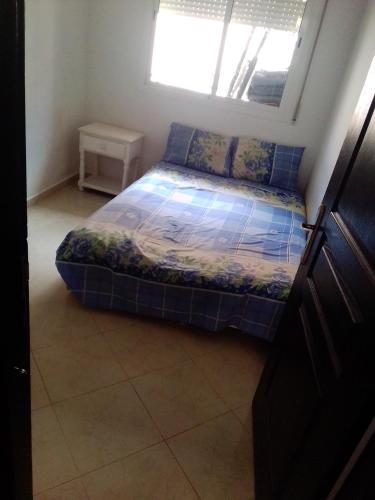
(190, 246)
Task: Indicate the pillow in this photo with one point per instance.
(199, 149)
(267, 163)
(253, 160)
(286, 163)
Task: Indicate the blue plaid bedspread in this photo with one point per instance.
(190, 246)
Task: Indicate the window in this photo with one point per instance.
(249, 51)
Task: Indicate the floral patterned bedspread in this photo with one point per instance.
(180, 226)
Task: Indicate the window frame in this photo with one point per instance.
(298, 73)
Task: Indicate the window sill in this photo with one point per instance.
(259, 111)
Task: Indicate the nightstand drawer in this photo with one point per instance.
(103, 146)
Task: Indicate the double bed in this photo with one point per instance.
(190, 246)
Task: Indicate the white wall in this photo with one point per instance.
(347, 97)
(119, 45)
(56, 49)
(86, 60)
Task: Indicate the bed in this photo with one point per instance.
(190, 246)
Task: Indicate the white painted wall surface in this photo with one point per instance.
(338, 125)
(56, 50)
(119, 46)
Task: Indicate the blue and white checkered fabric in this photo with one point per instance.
(286, 165)
(211, 310)
(238, 157)
(190, 246)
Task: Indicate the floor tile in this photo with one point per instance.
(145, 346)
(150, 474)
(59, 317)
(39, 396)
(198, 342)
(216, 456)
(74, 368)
(42, 290)
(105, 426)
(108, 432)
(234, 371)
(52, 461)
(244, 413)
(178, 398)
(74, 490)
(112, 320)
(71, 201)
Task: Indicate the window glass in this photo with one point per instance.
(186, 49)
(255, 63)
(238, 49)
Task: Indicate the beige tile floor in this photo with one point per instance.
(130, 408)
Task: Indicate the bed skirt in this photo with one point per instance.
(212, 310)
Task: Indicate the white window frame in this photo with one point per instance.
(296, 80)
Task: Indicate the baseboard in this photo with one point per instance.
(55, 187)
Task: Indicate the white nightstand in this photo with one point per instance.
(114, 142)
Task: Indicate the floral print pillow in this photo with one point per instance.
(266, 162)
(199, 149)
(253, 160)
(241, 158)
(210, 153)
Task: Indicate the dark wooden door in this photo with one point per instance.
(316, 395)
(14, 339)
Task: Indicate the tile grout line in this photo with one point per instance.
(82, 475)
(198, 368)
(64, 342)
(42, 492)
(87, 393)
(129, 380)
(238, 418)
(43, 383)
(183, 470)
(128, 377)
(230, 412)
(42, 377)
(65, 438)
(227, 410)
(165, 440)
(158, 370)
(108, 344)
(147, 410)
(210, 384)
(229, 406)
(147, 372)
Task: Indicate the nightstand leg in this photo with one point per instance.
(125, 175)
(81, 170)
(137, 167)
